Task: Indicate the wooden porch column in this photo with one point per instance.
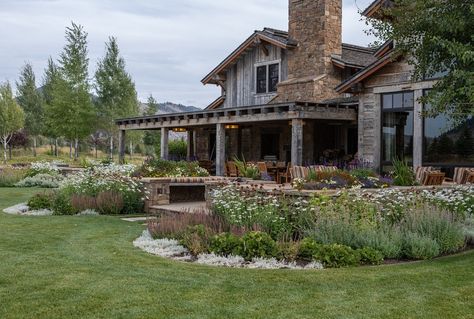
(164, 143)
(190, 145)
(121, 146)
(297, 142)
(220, 150)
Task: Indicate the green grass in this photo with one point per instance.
(86, 267)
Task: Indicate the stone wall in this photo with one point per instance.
(316, 25)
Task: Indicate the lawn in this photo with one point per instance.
(86, 267)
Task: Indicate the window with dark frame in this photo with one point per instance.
(268, 77)
(397, 126)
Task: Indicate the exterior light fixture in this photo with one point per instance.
(180, 129)
(231, 126)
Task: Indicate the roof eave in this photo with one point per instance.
(208, 79)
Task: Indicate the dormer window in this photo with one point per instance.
(268, 76)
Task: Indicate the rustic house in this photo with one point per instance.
(305, 97)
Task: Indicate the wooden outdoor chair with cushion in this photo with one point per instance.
(262, 167)
(433, 178)
(232, 170)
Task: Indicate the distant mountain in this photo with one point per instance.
(169, 107)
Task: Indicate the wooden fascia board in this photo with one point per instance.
(235, 55)
(365, 73)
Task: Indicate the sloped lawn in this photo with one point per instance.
(86, 267)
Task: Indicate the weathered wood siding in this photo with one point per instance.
(241, 78)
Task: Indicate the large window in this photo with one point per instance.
(446, 142)
(268, 77)
(397, 126)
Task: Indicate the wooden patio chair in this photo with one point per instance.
(284, 175)
(232, 170)
(262, 167)
(470, 178)
(433, 178)
(420, 173)
(461, 174)
(299, 172)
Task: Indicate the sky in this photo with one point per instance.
(168, 45)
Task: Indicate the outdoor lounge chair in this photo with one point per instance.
(470, 178)
(323, 168)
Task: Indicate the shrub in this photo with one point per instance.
(196, 239)
(416, 246)
(370, 256)
(288, 251)
(109, 203)
(440, 227)
(226, 244)
(10, 176)
(258, 244)
(247, 170)
(40, 201)
(43, 180)
(336, 256)
(362, 173)
(177, 149)
(42, 168)
(62, 205)
(163, 168)
(403, 174)
(308, 248)
(174, 225)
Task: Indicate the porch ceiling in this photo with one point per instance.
(260, 113)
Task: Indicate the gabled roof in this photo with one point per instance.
(354, 56)
(216, 103)
(373, 9)
(276, 37)
(366, 72)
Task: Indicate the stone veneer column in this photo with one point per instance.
(121, 149)
(220, 150)
(418, 130)
(297, 142)
(164, 143)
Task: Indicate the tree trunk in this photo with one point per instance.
(34, 146)
(4, 151)
(95, 150)
(56, 147)
(111, 147)
(70, 149)
(9, 152)
(131, 150)
(76, 149)
(51, 144)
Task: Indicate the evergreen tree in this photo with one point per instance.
(465, 143)
(445, 145)
(31, 102)
(117, 97)
(12, 117)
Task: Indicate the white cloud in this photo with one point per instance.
(168, 45)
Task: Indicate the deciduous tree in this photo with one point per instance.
(12, 117)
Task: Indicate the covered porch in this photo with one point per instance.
(296, 133)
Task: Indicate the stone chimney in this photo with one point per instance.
(316, 27)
